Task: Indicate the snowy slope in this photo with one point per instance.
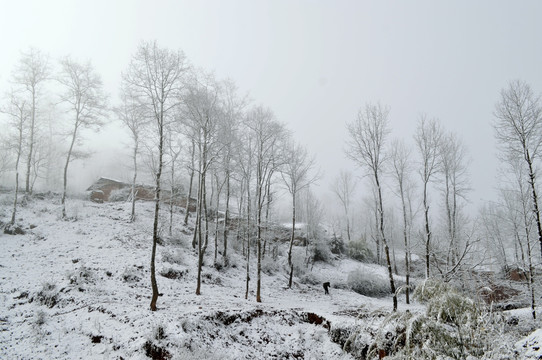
(80, 289)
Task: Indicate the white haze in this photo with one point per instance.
(314, 63)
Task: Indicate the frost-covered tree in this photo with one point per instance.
(18, 111)
(428, 136)
(86, 103)
(455, 188)
(518, 129)
(202, 113)
(401, 170)
(366, 147)
(267, 134)
(133, 115)
(31, 73)
(344, 188)
(297, 175)
(155, 76)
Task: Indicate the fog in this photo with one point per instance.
(313, 63)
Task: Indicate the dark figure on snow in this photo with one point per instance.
(326, 287)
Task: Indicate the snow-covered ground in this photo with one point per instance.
(80, 289)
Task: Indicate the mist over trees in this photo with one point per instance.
(226, 164)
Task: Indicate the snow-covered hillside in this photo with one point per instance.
(80, 289)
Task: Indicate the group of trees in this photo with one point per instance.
(236, 154)
(27, 107)
(441, 160)
(202, 139)
(435, 171)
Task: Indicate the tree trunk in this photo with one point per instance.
(386, 247)
(155, 234)
(226, 219)
(532, 176)
(259, 242)
(134, 193)
(187, 213)
(248, 239)
(427, 230)
(31, 145)
(407, 246)
(172, 195)
(63, 201)
(292, 237)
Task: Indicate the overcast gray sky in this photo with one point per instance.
(314, 63)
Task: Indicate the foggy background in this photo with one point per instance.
(314, 63)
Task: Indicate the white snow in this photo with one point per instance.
(94, 270)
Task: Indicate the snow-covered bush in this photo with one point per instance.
(368, 283)
(453, 327)
(321, 251)
(48, 295)
(337, 245)
(358, 250)
(131, 274)
(310, 278)
(173, 257)
(81, 276)
(270, 266)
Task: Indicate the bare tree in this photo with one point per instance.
(366, 147)
(454, 166)
(233, 107)
(18, 110)
(428, 136)
(174, 147)
(202, 113)
(344, 187)
(518, 128)
(297, 175)
(528, 218)
(85, 101)
(267, 133)
(132, 114)
(31, 72)
(245, 158)
(402, 168)
(155, 76)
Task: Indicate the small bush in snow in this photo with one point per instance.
(176, 257)
(358, 250)
(130, 274)
(430, 289)
(48, 295)
(337, 246)
(368, 283)
(321, 252)
(310, 279)
(270, 266)
(39, 318)
(81, 276)
(173, 274)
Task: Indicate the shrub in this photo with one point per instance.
(130, 275)
(270, 266)
(358, 250)
(321, 252)
(337, 246)
(368, 283)
(176, 257)
(82, 275)
(310, 279)
(173, 274)
(48, 295)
